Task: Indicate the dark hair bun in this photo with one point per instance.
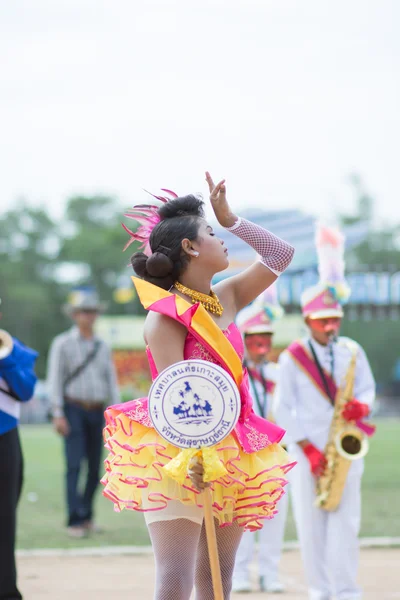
(168, 260)
(159, 265)
(138, 262)
(156, 269)
(182, 207)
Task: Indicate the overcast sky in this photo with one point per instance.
(283, 98)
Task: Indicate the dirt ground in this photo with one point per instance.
(131, 577)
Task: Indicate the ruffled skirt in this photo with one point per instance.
(247, 493)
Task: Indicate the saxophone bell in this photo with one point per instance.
(351, 443)
(6, 343)
(346, 443)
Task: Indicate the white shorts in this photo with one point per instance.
(174, 510)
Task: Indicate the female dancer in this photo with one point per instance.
(188, 319)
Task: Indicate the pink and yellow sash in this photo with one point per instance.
(250, 429)
(196, 319)
(306, 363)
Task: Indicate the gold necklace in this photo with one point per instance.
(210, 302)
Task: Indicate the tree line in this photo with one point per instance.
(42, 258)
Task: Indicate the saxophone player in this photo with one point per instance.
(312, 372)
(17, 383)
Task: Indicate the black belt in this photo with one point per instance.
(85, 404)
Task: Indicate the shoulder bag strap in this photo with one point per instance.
(89, 358)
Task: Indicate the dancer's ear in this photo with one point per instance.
(188, 248)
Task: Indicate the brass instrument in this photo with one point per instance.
(346, 443)
(6, 344)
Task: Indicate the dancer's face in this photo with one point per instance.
(323, 330)
(212, 253)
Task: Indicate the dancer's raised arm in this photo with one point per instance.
(274, 253)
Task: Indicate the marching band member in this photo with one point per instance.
(311, 405)
(256, 325)
(17, 384)
(188, 319)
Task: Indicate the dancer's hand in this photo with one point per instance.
(220, 205)
(61, 425)
(196, 473)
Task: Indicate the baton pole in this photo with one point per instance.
(212, 545)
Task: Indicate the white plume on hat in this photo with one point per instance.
(326, 298)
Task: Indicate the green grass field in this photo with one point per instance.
(42, 513)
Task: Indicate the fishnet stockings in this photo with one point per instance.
(181, 555)
(228, 540)
(175, 547)
(275, 253)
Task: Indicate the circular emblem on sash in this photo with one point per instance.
(194, 404)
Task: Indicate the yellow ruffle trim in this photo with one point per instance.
(247, 489)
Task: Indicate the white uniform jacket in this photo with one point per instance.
(300, 407)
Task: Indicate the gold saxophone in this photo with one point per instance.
(346, 443)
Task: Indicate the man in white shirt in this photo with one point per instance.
(311, 371)
(81, 382)
(256, 325)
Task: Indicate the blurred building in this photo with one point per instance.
(295, 227)
(374, 292)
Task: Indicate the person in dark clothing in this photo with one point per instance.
(17, 384)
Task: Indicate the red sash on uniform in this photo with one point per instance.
(306, 363)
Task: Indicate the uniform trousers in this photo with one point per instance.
(328, 540)
(11, 468)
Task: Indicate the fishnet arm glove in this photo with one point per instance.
(274, 253)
